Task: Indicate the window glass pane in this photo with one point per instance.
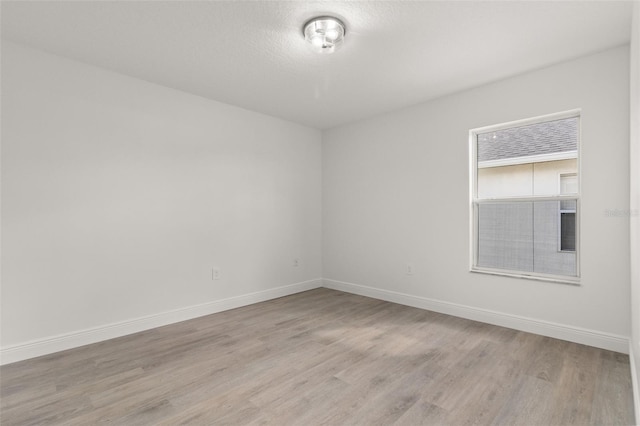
(524, 236)
(549, 137)
(505, 236)
(527, 160)
(549, 259)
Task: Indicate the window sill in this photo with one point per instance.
(575, 281)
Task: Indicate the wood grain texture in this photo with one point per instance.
(322, 357)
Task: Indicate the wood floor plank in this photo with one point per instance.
(578, 377)
(424, 413)
(547, 360)
(530, 404)
(614, 381)
(397, 393)
(306, 407)
(322, 357)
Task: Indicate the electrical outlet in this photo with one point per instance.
(409, 269)
(296, 262)
(215, 273)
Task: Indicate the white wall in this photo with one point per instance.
(396, 192)
(119, 196)
(635, 202)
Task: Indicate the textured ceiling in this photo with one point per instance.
(252, 53)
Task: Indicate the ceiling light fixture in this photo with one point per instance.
(325, 33)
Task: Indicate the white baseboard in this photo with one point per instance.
(635, 381)
(75, 339)
(545, 328)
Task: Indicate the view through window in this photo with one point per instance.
(525, 197)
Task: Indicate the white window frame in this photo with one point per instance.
(474, 201)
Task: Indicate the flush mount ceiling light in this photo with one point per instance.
(325, 33)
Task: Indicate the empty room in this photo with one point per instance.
(320, 212)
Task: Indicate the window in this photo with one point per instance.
(525, 198)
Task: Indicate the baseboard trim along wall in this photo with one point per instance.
(635, 381)
(545, 328)
(75, 339)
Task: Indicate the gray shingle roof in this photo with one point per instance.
(533, 139)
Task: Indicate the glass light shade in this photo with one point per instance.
(324, 33)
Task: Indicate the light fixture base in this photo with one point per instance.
(324, 33)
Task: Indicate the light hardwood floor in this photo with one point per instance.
(322, 357)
